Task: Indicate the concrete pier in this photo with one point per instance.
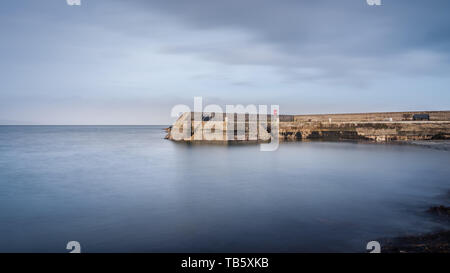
(387, 126)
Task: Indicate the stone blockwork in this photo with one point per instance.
(393, 126)
(367, 117)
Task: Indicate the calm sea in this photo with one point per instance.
(126, 189)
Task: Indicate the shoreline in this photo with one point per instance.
(432, 242)
(435, 242)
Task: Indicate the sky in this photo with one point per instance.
(129, 62)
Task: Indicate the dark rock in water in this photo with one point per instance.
(441, 136)
(438, 242)
(440, 211)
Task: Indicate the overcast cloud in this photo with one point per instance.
(129, 62)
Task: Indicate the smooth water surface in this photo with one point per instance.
(126, 189)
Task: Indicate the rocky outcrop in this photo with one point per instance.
(441, 211)
(437, 242)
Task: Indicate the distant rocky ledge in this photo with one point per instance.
(387, 126)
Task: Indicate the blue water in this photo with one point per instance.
(126, 189)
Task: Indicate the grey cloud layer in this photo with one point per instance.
(97, 62)
(329, 39)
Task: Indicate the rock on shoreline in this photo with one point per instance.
(441, 211)
(437, 242)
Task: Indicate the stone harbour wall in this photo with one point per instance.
(395, 126)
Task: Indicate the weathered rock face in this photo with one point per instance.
(378, 131)
(370, 126)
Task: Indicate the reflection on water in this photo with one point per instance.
(126, 189)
